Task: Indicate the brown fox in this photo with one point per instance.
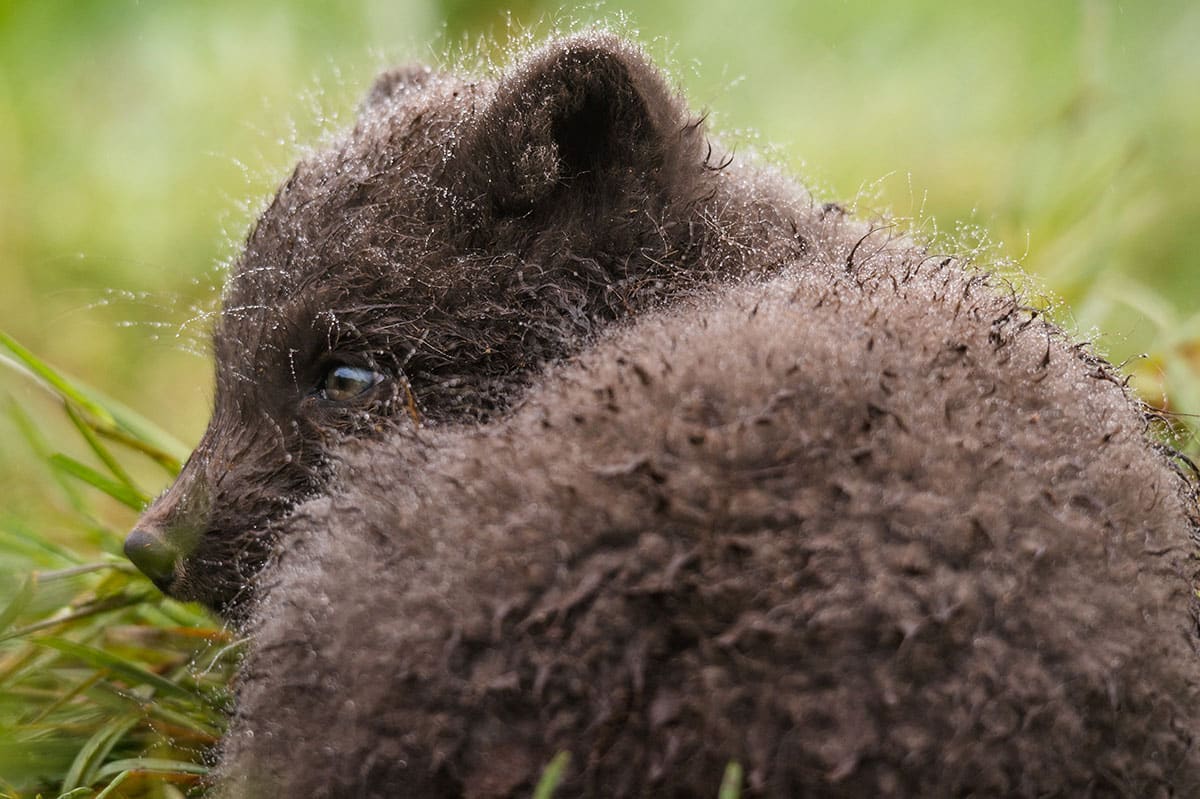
(543, 426)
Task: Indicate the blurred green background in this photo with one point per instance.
(137, 139)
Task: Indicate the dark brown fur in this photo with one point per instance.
(464, 234)
(803, 495)
(872, 534)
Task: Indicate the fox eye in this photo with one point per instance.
(344, 382)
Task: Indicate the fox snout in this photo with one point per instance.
(153, 555)
(209, 533)
(169, 531)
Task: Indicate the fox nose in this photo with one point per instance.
(153, 555)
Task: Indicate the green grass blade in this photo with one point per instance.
(76, 793)
(55, 380)
(17, 538)
(126, 495)
(87, 568)
(102, 452)
(108, 417)
(552, 777)
(156, 765)
(18, 603)
(95, 608)
(139, 433)
(91, 756)
(119, 667)
(197, 728)
(731, 782)
(171, 461)
(33, 436)
(112, 786)
(73, 691)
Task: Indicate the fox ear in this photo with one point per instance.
(582, 112)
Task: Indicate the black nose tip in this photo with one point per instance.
(154, 556)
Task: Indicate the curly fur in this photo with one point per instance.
(672, 466)
(881, 533)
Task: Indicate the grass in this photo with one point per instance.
(135, 140)
(104, 684)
